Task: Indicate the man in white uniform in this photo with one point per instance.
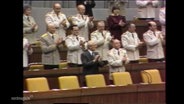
(58, 19)
(131, 43)
(82, 21)
(30, 27)
(154, 41)
(75, 45)
(102, 38)
(117, 58)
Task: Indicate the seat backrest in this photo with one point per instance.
(37, 84)
(36, 67)
(63, 65)
(95, 80)
(143, 60)
(151, 76)
(121, 78)
(68, 82)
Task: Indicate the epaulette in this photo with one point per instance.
(49, 14)
(44, 35)
(95, 32)
(69, 36)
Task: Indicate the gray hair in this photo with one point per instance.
(90, 43)
(26, 6)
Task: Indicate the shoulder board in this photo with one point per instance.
(49, 13)
(62, 14)
(95, 31)
(69, 36)
(44, 35)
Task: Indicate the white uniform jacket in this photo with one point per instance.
(74, 49)
(154, 44)
(130, 43)
(102, 41)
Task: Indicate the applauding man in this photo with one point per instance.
(117, 58)
(58, 19)
(75, 45)
(50, 48)
(91, 60)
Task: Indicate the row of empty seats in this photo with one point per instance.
(96, 80)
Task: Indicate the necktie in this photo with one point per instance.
(58, 17)
(103, 34)
(118, 52)
(132, 35)
(28, 19)
(82, 16)
(52, 36)
(77, 38)
(154, 33)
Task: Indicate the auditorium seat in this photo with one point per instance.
(37, 43)
(63, 65)
(95, 80)
(143, 60)
(68, 82)
(151, 76)
(36, 67)
(37, 84)
(121, 78)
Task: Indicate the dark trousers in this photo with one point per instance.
(25, 68)
(49, 67)
(148, 19)
(74, 65)
(111, 82)
(134, 61)
(156, 60)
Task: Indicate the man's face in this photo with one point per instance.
(57, 8)
(116, 44)
(27, 11)
(153, 26)
(75, 31)
(101, 26)
(52, 29)
(93, 47)
(81, 9)
(132, 28)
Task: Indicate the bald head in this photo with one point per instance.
(51, 28)
(131, 27)
(81, 6)
(152, 25)
(81, 9)
(57, 8)
(56, 5)
(91, 45)
(116, 44)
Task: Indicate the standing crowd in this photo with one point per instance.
(103, 46)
